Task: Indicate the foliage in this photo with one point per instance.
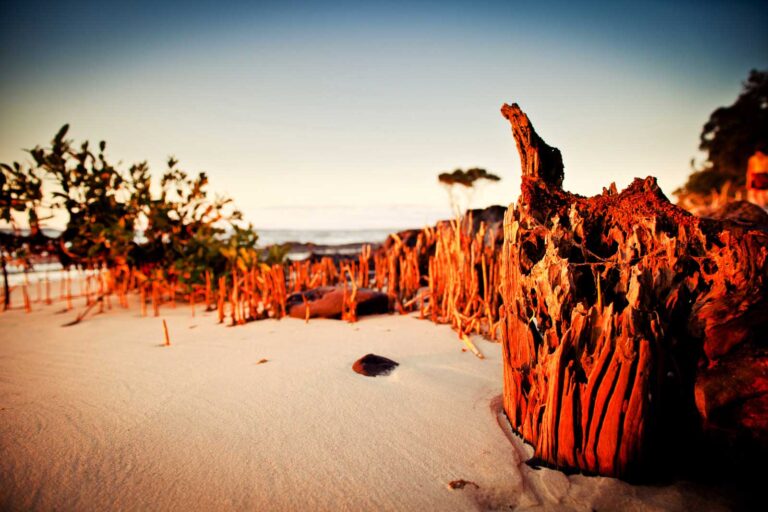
(276, 253)
(21, 195)
(239, 249)
(186, 229)
(113, 218)
(731, 135)
(466, 178)
(96, 198)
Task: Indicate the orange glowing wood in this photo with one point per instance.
(233, 298)
(222, 298)
(207, 290)
(249, 293)
(69, 292)
(621, 338)
(126, 286)
(156, 298)
(365, 256)
(106, 291)
(143, 299)
(350, 305)
(165, 334)
(279, 273)
(344, 303)
(392, 276)
(448, 253)
(100, 293)
(27, 305)
(471, 346)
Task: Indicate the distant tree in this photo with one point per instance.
(731, 136)
(461, 185)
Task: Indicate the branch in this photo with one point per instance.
(538, 159)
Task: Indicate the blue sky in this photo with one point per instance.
(341, 114)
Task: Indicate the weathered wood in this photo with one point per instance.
(618, 309)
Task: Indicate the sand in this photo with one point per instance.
(100, 416)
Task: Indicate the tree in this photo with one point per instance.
(186, 230)
(731, 136)
(114, 219)
(96, 198)
(462, 183)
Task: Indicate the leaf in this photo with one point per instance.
(61, 134)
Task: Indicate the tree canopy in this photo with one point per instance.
(115, 217)
(466, 178)
(731, 135)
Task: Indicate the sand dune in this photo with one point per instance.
(101, 416)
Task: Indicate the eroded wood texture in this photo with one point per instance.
(621, 312)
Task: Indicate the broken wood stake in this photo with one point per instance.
(165, 333)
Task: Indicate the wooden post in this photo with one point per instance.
(165, 334)
(27, 305)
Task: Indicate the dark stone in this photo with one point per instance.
(372, 365)
(326, 302)
(493, 219)
(742, 211)
(337, 258)
(490, 216)
(732, 397)
(407, 237)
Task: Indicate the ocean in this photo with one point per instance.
(323, 236)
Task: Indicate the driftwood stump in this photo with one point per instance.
(626, 318)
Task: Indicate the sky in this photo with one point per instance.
(328, 115)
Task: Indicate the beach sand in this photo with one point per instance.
(100, 416)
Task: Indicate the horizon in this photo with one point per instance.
(304, 113)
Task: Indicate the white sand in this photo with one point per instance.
(99, 416)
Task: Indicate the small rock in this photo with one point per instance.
(742, 211)
(372, 365)
(326, 302)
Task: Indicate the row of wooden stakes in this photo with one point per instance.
(447, 274)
